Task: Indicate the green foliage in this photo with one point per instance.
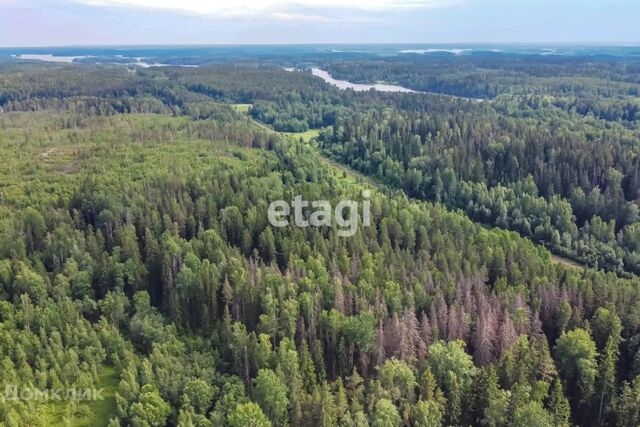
(627, 407)
(533, 415)
(385, 415)
(426, 414)
(454, 371)
(577, 365)
(135, 249)
(271, 395)
(150, 409)
(248, 415)
(559, 406)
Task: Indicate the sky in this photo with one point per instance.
(133, 22)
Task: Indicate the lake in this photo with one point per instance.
(358, 87)
(71, 59)
(49, 58)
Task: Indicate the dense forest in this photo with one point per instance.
(136, 256)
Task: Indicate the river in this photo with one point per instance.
(382, 87)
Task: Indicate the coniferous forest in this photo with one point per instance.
(498, 283)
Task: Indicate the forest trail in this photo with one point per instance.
(357, 177)
(346, 171)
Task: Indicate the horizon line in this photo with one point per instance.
(221, 44)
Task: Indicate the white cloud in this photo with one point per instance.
(297, 17)
(281, 7)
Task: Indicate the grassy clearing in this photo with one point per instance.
(349, 175)
(567, 262)
(241, 108)
(340, 170)
(306, 136)
(87, 414)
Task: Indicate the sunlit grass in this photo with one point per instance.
(87, 414)
(241, 108)
(306, 136)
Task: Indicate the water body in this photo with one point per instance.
(144, 64)
(359, 87)
(423, 51)
(382, 87)
(49, 58)
(71, 59)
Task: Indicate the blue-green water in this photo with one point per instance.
(295, 54)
